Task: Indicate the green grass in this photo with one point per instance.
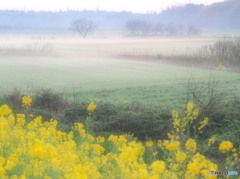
(94, 69)
(118, 81)
(127, 91)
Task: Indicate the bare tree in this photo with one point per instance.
(83, 26)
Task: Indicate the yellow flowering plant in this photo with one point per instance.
(5, 110)
(37, 149)
(189, 122)
(26, 101)
(88, 122)
(91, 107)
(149, 143)
(225, 146)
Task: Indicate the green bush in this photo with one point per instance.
(74, 114)
(141, 127)
(231, 122)
(13, 99)
(50, 101)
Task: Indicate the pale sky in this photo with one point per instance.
(143, 6)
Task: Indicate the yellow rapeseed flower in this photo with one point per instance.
(2, 171)
(100, 139)
(171, 146)
(191, 145)
(194, 168)
(199, 165)
(91, 107)
(118, 140)
(149, 143)
(39, 148)
(158, 166)
(191, 111)
(211, 141)
(4, 127)
(190, 107)
(203, 124)
(5, 110)
(180, 156)
(2, 160)
(98, 149)
(26, 101)
(225, 146)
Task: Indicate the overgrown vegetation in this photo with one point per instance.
(222, 51)
(210, 99)
(31, 148)
(137, 118)
(31, 49)
(218, 54)
(210, 124)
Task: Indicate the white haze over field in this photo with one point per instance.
(142, 6)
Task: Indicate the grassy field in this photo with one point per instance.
(96, 70)
(112, 87)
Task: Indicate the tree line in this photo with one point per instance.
(137, 28)
(144, 28)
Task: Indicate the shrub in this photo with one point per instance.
(218, 54)
(13, 98)
(230, 128)
(223, 51)
(210, 100)
(51, 101)
(206, 95)
(141, 127)
(74, 114)
(105, 111)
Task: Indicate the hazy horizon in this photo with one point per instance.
(142, 7)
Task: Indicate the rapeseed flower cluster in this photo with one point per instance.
(200, 166)
(171, 145)
(37, 149)
(211, 141)
(26, 101)
(189, 122)
(180, 156)
(149, 143)
(91, 107)
(191, 145)
(225, 146)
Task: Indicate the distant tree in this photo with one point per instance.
(83, 26)
(192, 30)
(158, 29)
(179, 29)
(138, 27)
(171, 29)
